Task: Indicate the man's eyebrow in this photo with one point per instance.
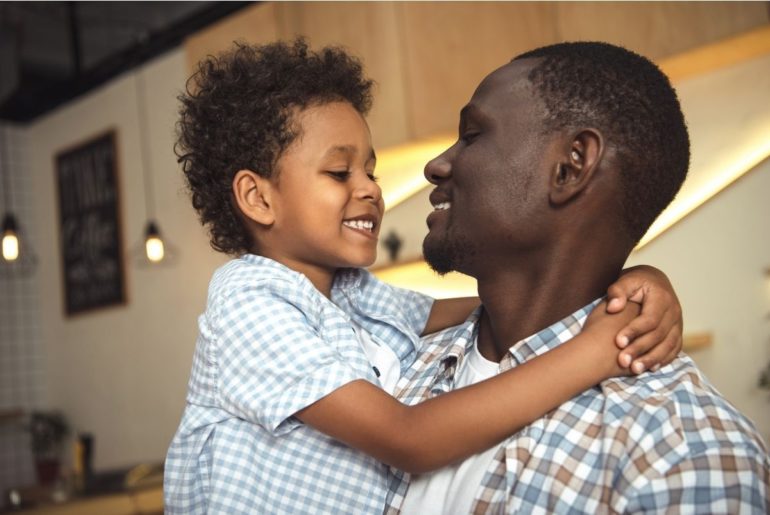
(471, 110)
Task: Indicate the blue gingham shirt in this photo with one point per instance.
(270, 344)
(663, 442)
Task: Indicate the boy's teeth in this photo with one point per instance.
(442, 206)
(366, 225)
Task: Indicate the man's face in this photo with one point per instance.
(491, 196)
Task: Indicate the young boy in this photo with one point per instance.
(289, 407)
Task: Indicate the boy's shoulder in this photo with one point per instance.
(250, 273)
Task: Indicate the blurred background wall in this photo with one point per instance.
(120, 373)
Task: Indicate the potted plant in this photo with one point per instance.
(48, 430)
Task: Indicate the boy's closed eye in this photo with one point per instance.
(345, 175)
(340, 175)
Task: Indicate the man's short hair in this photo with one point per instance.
(627, 98)
(237, 113)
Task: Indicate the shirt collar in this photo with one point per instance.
(344, 279)
(348, 279)
(464, 337)
(552, 336)
(460, 340)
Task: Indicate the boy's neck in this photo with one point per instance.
(321, 279)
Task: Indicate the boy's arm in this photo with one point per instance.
(469, 420)
(448, 312)
(651, 339)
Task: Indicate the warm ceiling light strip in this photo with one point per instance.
(418, 276)
(682, 207)
(709, 58)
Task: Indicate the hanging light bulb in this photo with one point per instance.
(154, 250)
(153, 243)
(10, 238)
(18, 257)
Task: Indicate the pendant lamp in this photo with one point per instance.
(155, 249)
(16, 254)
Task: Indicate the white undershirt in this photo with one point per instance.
(384, 361)
(452, 489)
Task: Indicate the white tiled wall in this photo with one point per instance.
(21, 352)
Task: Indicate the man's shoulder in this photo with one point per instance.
(679, 404)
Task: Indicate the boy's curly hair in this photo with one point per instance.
(236, 114)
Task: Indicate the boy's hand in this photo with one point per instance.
(600, 329)
(654, 338)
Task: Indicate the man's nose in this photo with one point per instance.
(438, 169)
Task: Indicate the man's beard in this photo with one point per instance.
(447, 254)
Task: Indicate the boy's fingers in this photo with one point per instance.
(675, 339)
(617, 297)
(659, 355)
(648, 342)
(640, 325)
(616, 304)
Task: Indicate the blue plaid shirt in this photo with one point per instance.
(270, 344)
(663, 442)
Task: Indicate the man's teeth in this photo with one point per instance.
(366, 225)
(442, 206)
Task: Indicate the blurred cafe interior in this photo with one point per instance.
(104, 272)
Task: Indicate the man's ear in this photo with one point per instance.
(576, 167)
(253, 194)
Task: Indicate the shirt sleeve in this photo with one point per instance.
(274, 360)
(410, 307)
(416, 308)
(717, 481)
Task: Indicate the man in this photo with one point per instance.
(565, 157)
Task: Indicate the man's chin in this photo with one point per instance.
(438, 259)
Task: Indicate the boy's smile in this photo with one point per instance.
(326, 203)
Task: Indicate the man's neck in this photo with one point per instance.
(519, 303)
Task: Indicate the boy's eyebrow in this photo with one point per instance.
(349, 150)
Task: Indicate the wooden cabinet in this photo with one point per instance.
(427, 57)
(140, 502)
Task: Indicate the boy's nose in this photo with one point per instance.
(367, 189)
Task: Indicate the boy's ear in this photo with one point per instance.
(576, 168)
(252, 194)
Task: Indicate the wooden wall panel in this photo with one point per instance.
(256, 24)
(657, 29)
(450, 47)
(369, 31)
(428, 57)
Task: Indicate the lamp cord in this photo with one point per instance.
(4, 171)
(144, 144)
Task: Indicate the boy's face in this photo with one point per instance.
(327, 206)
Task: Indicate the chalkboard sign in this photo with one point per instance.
(91, 243)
